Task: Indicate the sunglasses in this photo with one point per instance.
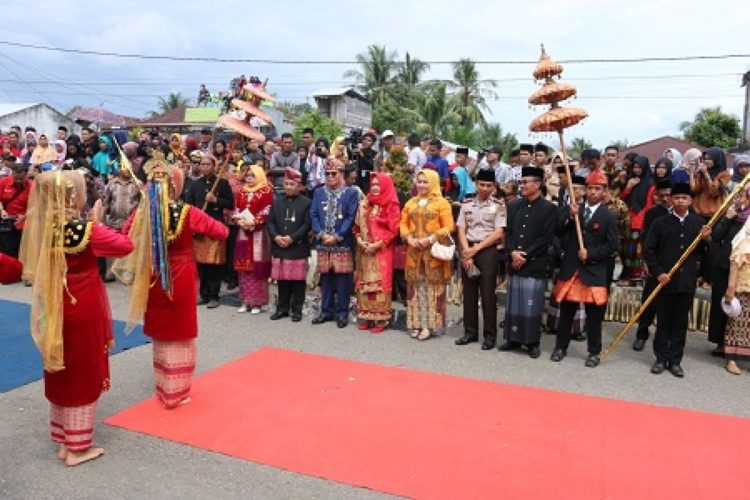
(332, 173)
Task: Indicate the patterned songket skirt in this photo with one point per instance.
(73, 426)
(425, 305)
(374, 306)
(737, 335)
(174, 364)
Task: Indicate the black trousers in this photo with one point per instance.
(291, 296)
(399, 285)
(482, 287)
(610, 272)
(594, 318)
(10, 242)
(210, 278)
(647, 318)
(230, 275)
(672, 313)
(717, 320)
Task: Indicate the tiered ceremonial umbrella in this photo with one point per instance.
(558, 118)
(247, 107)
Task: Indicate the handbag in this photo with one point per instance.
(443, 252)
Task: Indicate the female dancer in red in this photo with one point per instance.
(70, 318)
(163, 276)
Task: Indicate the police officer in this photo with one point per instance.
(481, 223)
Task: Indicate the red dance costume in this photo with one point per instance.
(87, 329)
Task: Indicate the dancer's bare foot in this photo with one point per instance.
(62, 453)
(76, 458)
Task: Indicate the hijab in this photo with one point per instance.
(637, 199)
(739, 160)
(676, 157)
(74, 140)
(176, 150)
(433, 180)
(465, 184)
(719, 159)
(741, 245)
(387, 194)
(61, 155)
(260, 178)
(43, 154)
(101, 163)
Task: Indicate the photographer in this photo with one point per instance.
(364, 157)
(316, 165)
(14, 198)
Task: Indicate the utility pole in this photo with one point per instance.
(746, 116)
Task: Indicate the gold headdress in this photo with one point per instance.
(55, 198)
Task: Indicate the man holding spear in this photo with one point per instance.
(667, 240)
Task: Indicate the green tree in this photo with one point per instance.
(471, 93)
(390, 114)
(172, 101)
(577, 145)
(713, 128)
(410, 71)
(377, 71)
(493, 135)
(436, 109)
(620, 144)
(322, 125)
(294, 108)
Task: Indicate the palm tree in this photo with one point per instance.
(471, 92)
(410, 71)
(378, 66)
(493, 135)
(173, 100)
(577, 146)
(436, 109)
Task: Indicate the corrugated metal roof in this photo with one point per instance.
(8, 108)
(339, 92)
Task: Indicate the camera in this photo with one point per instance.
(354, 137)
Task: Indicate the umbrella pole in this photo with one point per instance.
(579, 232)
(719, 213)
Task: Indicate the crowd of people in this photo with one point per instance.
(383, 219)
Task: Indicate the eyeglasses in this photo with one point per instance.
(332, 174)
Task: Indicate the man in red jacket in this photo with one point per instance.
(14, 197)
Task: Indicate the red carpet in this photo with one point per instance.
(425, 435)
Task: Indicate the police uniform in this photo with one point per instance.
(479, 219)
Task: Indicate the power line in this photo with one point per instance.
(339, 62)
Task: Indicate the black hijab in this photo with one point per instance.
(667, 163)
(719, 159)
(637, 199)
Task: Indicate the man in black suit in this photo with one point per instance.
(667, 240)
(583, 273)
(213, 197)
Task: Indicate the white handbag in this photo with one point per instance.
(443, 252)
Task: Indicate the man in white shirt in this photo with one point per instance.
(416, 156)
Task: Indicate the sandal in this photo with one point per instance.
(732, 368)
(424, 335)
(414, 334)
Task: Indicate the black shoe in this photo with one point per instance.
(676, 370)
(279, 315)
(321, 319)
(202, 301)
(639, 344)
(488, 344)
(212, 304)
(534, 352)
(658, 367)
(592, 361)
(718, 351)
(296, 317)
(232, 285)
(507, 346)
(341, 322)
(558, 354)
(466, 340)
(579, 337)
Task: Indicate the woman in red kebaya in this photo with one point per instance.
(70, 317)
(163, 276)
(376, 228)
(252, 254)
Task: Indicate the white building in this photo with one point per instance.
(42, 117)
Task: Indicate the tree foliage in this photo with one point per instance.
(577, 145)
(321, 125)
(294, 108)
(713, 128)
(377, 71)
(172, 101)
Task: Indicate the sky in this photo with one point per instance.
(633, 101)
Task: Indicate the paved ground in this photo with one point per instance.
(137, 466)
